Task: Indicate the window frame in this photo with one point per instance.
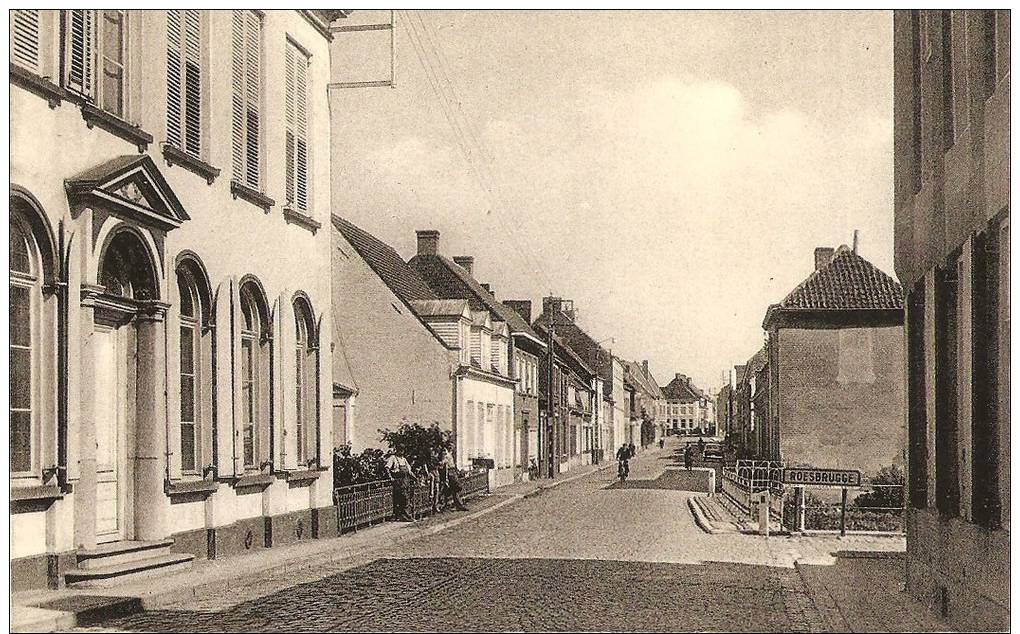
(194, 323)
(32, 281)
(251, 336)
(306, 356)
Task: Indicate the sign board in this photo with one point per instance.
(822, 477)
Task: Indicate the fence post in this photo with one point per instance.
(800, 519)
(842, 519)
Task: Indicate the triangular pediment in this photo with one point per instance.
(132, 186)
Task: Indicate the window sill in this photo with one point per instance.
(302, 477)
(36, 492)
(94, 116)
(302, 219)
(202, 488)
(52, 93)
(176, 156)
(252, 195)
(254, 481)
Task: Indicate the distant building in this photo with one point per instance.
(952, 174)
(684, 406)
(834, 378)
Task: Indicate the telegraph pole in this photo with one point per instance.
(550, 421)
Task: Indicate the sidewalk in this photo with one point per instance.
(281, 567)
(856, 583)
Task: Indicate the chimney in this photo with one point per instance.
(520, 306)
(487, 288)
(644, 366)
(680, 377)
(428, 241)
(822, 256)
(551, 305)
(857, 239)
(465, 262)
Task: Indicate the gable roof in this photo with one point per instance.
(403, 280)
(679, 390)
(133, 185)
(567, 350)
(456, 308)
(449, 280)
(580, 342)
(847, 282)
(643, 381)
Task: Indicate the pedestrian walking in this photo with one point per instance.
(662, 443)
(633, 450)
(399, 470)
(688, 457)
(623, 458)
(450, 481)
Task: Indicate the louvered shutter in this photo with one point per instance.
(237, 93)
(289, 81)
(223, 371)
(184, 80)
(298, 159)
(25, 38)
(81, 37)
(301, 132)
(253, 121)
(246, 34)
(173, 78)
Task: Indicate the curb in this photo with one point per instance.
(700, 518)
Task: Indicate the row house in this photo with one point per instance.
(596, 357)
(834, 377)
(527, 348)
(167, 387)
(410, 355)
(646, 401)
(951, 109)
(490, 356)
(746, 393)
(567, 391)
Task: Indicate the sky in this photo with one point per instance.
(670, 172)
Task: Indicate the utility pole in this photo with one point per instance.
(549, 418)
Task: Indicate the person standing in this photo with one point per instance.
(450, 478)
(688, 457)
(399, 470)
(633, 450)
(623, 457)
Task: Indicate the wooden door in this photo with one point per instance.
(111, 386)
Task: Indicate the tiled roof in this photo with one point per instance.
(386, 262)
(679, 390)
(581, 343)
(450, 281)
(847, 282)
(543, 334)
(440, 307)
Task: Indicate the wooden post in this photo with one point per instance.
(799, 521)
(842, 519)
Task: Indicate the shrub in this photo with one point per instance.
(350, 468)
(888, 494)
(422, 446)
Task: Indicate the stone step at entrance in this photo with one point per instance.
(114, 563)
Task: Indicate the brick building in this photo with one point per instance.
(951, 111)
(834, 373)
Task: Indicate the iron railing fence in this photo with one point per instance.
(360, 505)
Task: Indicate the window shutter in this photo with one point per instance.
(184, 80)
(25, 38)
(301, 107)
(81, 31)
(192, 82)
(290, 63)
(173, 78)
(246, 77)
(296, 88)
(237, 95)
(253, 41)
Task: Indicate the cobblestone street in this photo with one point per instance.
(584, 556)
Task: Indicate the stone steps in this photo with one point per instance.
(115, 563)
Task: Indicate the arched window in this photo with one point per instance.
(194, 363)
(26, 299)
(254, 380)
(306, 396)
